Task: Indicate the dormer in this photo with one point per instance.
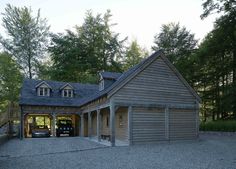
(107, 79)
(67, 90)
(43, 89)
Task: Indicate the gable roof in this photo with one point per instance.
(29, 95)
(67, 84)
(43, 82)
(110, 75)
(133, 71)
(86, 93)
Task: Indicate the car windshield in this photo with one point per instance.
(65, 122)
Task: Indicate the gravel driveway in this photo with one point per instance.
(216, 152)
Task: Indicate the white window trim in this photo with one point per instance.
(67, 91)
(44, 91)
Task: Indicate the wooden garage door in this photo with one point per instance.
(182, 124)
(148, 125)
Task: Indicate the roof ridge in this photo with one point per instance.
(56, 81)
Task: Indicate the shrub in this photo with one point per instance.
(227, 126)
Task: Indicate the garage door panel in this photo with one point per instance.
(148, 125)
(182, 124)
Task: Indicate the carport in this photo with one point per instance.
(31, 116)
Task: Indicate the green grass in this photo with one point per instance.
(226, 126)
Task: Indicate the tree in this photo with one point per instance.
(133, 55)
(225, 36)
(100, 44)
(10, 80)
(176, 41)
(219, 6)
(79, 56)
(27, 37)
(67, 61)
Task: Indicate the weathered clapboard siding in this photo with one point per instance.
(94, 124)
(182, 124)
(121, 130)
(104, 128)
(155, 84)
(148, 125)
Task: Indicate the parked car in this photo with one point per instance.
(40, 131)
(64, 127)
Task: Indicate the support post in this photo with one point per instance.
(22, 124)
(98, 125)
(53, 124)
(89, 125)
(82, 125)
(130, 125)
(112, 123)
(167, 112)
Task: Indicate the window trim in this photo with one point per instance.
(68, 93)
(45, 91)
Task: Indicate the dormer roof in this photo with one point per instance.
(65, 85)
(110, 75)
(41, 83)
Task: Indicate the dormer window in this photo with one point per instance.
(107, 79)
(67, 93)
(67, 90)
(43, 89)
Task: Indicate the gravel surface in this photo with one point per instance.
(210, 151)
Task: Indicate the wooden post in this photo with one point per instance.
(22, 124)
(53, 124)
(98, 125)
(82, 125)
(130, 124)
(89, 125)
(112, 124)
(167, 118)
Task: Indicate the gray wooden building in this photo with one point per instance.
(150, 102)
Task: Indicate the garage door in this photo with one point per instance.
(148, 125)
(182, 124)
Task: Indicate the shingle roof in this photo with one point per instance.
(110, 75)
(84, 93)
(29, 94)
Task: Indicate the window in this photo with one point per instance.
(107, 122)
(120, 120)
(43, 91)
(67, 93)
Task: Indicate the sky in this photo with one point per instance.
(138, 20)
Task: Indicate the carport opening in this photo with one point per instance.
(37, 121)
(70, 119)
(41, 121)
